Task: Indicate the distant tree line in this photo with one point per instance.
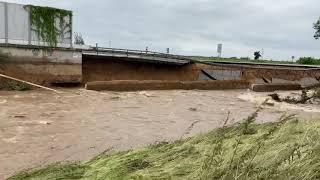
(316, 26)
(309, 61)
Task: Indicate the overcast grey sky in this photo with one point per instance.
(283, 28)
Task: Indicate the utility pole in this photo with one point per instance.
(219, 50)
(97, 48)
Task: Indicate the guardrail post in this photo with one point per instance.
(29, 27)
(6, 23)
(97, 48)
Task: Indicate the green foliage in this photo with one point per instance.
(58, 171)
(287, 149)
(257, 55)
(316, 93)
(309, 61)
(316, 26)
(78, 39)
(12, 85)
(44, 20)
(3, 55)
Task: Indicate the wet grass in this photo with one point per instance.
(12, 85)
(288, 149)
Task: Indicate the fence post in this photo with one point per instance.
(97, 49)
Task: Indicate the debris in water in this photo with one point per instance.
(303, 98)
(193, 109)
(275, 97)
(19, 116)
(145, 94)
(115, 98)
(269, 103)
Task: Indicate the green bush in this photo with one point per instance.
(3, 55)
(309, 61)
(245, 58)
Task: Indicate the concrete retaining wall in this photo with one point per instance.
(286, 74)
(41, 66)
(165, 85)
(275, 87)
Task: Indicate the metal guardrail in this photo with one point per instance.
(260, 65)
(101, 50)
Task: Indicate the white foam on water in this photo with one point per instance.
(254, 98)
(305, 108)
(282, 106)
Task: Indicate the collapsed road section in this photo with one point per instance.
(107, 70)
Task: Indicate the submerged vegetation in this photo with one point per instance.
(288, 149)
(306, 97)
(13, 85)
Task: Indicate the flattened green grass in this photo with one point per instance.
(288, 149)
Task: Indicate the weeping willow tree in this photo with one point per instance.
(50, 24)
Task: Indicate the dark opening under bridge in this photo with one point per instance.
(171, 59)
(139, 56)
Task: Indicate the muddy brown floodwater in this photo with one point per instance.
(39, 127)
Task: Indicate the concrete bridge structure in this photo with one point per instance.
(82, 64)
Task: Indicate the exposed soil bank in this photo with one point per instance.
(42, 73)
(102, 68)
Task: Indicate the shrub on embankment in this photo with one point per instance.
(309, 61)
(288, 149)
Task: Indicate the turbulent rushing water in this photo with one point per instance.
(40, 127)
